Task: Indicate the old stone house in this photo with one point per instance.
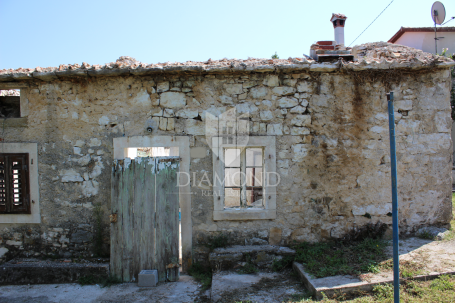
(309, 139)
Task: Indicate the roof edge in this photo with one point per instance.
(11, 80)
(403, 30)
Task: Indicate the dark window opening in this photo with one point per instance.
(341, 22)
(10, 104)
(14, 184)
(335, 23)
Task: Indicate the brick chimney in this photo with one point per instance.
(338, 21)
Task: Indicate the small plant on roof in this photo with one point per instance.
(445, 53)
(275, 56)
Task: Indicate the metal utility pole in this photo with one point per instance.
(435, 36)
(393, 164)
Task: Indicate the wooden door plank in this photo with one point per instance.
(113, 228)
(130, 241)
(120, 219)
(160, 231)
(116, 234)
(167, 208)
(127, 196)
(138, 184)
(148, 233)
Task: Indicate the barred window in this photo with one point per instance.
(14, 184)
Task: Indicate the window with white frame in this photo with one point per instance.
(19, 192)
(244, 179)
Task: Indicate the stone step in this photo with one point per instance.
(26, 271)
(237, 256)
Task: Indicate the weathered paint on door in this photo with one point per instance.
(145, 218)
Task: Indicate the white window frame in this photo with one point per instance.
(32, 150)
(268, 143)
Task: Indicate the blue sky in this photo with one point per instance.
(48, 33)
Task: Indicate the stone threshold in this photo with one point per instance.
(346, 284)
(237, 256)
(23, 272)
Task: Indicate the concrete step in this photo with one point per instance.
(237, 256)
(33, 271)
(258, 287)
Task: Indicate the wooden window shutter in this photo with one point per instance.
(2, 185)
(14, 184)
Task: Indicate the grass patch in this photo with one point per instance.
(384, 291)
(102, 281)
(280, 264)
(304, 297)
(248, 268)
(337, 258)
(87, 280)
(218, 240)
(443, 283)
(425, 235)
(408, 269)
(438, 290)
(451, 235)
(202, 274)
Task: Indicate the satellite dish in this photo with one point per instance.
(438, 13)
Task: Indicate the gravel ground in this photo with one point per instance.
(186, 290)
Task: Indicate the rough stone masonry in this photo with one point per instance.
(329, 119)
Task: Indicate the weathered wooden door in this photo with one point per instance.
(145, 218)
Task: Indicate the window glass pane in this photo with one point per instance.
(232, 177)
(231, 197)
(232, 157)
(254, 157)
(254, 176)
(254, 198)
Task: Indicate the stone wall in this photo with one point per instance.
(452, 103)
(332, 138)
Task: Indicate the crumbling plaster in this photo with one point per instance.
(332, 147)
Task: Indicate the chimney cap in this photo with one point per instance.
(338, 16)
